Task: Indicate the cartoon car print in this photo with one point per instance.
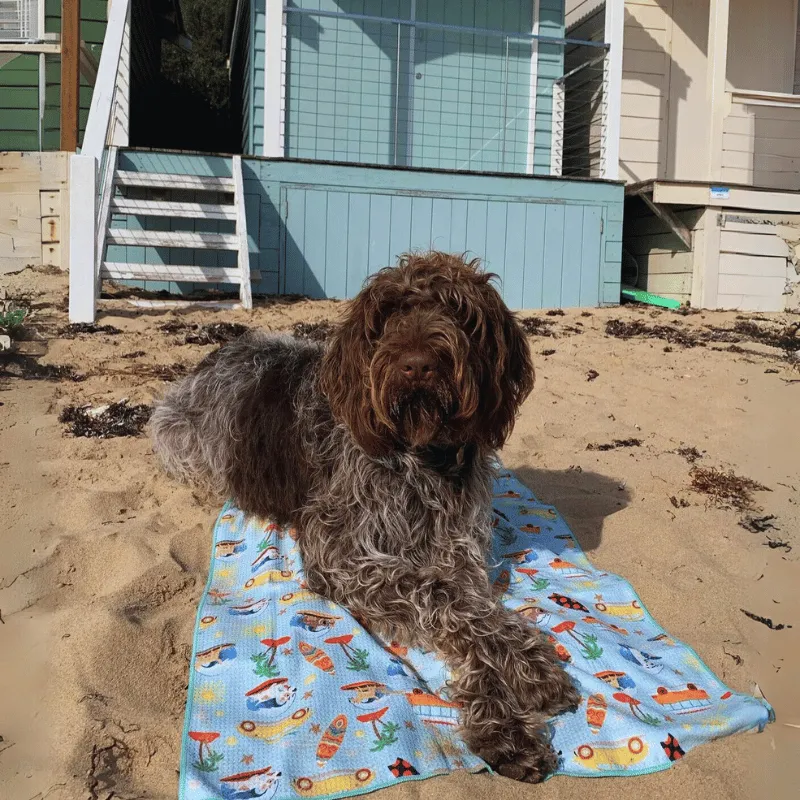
(433, 709)
(619, 680)
(631, 610)
(290, 598)
(683, 701)
(267, 555)
(261, 783)
(229, 548)
(209, 661)
(366, 692)
(333, 783)
(607, 625)
(521, 556)
(535, 613)
(270, 576)
(271, 694)
(621, 754)
(314, 621)
(272, 732)
(543, 513)
(248, 609)
(567, 570)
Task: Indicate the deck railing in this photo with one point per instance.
(106, 126)
(382, 90)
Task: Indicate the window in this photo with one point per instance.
(19, 20)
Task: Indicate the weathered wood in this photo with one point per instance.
(163, 208)
(116, 270)
(82, 275)
(245, 290)
(670, 219)
(190, 239)
(157, 180)
(70, 73)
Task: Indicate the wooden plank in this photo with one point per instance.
(104, 213)
(680, 283)
(753, 285)
(752, 126)
(673, 222)
(643, 129)
(200, 183)
(173, 272)
(188, 239)
(70, 73)
(677, 263)
(51, 229)
(553, 261)
(614, 65)
(753, 244)
(762, 266)
(82, 198)
(245, 290)
(164, 208)
(745, 302)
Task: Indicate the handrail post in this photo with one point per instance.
(612, 91)
(82, 255)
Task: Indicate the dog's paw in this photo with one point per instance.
(528, 767)
(529, 758)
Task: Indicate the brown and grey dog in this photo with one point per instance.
(379, 449)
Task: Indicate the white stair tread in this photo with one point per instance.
(164, 181)
(126, 271)
(163, 208)
(201, 241)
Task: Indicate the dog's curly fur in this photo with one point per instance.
(387, 476)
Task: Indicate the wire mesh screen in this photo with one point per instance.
(19, 20)
(579, 114)
(386, 91)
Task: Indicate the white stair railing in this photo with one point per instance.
(107, 124)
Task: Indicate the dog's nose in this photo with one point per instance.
(417, 366)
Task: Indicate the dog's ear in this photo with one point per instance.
(508, 370)
(344, 377)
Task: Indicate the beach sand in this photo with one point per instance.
(103, 559)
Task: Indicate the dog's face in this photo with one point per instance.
(427, 355)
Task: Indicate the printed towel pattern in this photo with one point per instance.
(290, 697)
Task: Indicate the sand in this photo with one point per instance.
(102, 559)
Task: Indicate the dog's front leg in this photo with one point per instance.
(505, 673)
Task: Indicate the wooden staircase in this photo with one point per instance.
(144, 196)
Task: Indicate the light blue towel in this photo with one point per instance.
(290, 697)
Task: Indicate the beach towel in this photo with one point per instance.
(290, 697)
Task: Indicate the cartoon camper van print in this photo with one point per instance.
(365, 692)
(271, 694)
(314, 621)
(214, 658)
(333, 783)
(620, 754)
(687, 700)
(261, 783)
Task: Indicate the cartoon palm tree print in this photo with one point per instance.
(265, 667)
(208, 762)
(386, 734)
(587, 641)
(357, 659)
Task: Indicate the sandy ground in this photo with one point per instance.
(102, 560)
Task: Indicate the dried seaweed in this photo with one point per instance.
(76, 329)
(27, 368)
(592, 374)
(765, 621)
(725, 489)
(536, 326)
(213, 333)
(759, 524)
(555, 312)
(314, 331)
(691, 454)
(617, 443)
(106, 422)
(548, 352)
(640, 329)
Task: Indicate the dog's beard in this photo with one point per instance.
(420, 415)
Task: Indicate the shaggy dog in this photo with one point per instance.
(379, 449)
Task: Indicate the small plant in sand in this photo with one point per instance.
(386, 734)
(207, 759)
(264, 666)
